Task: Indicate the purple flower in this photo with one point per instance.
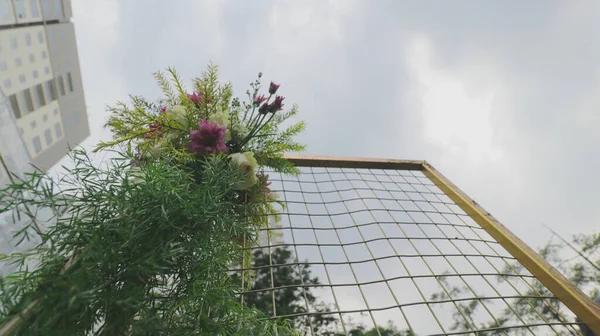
(264, 108)
(163, 109)
(210, 138)
(155, 130)
(276, 105)
(259, 99)
(273, 88)
(196, 98)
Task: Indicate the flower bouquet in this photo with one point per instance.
(143, 246)
(192, 127)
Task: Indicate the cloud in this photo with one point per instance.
(490, 103)
(454, 120)
(501, 97)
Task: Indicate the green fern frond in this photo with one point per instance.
(165, 86)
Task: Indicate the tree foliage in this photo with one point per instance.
(583, 270)
(296, 294)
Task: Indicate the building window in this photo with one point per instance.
(47, 70)
(45, 117)
(70, 81)
(72, 121)
(35, 74)
(58, 130)
(5, 10)
(46, 11)
(22, 79)
(51, 90)
(44, 54)
(3, 66)
(33, 124)
(48, 136)
(58, 8)
(14, 105)
(20, 8)
(39, 93)
(27, 39)
(14, 43)
(61, 86)
(37, 144)
(18, 61)
(31, 58)
(41, 36)
(33, 7)
(7, 84)
(26, 94)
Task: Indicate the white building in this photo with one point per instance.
(42, 106)
(40, 76)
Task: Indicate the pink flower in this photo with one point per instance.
(259, 99)
(264, 108)
(163, 109)
(196, 98)
(276, 105)
(210, 138)
(273, 88)
(155, 130)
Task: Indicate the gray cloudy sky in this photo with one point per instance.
(502, 97)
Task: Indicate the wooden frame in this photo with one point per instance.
(553, 279)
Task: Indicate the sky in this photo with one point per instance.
(501, 97)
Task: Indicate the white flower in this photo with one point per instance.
(156, 150)
(247, 164)
(221, 118)
(240, 131)
(178, 114)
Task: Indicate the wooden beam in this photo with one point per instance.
(553, 279)
(348, 162)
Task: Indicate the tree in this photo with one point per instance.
(295, 294)
(292, 299)
(583, 270)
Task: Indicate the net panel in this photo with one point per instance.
(390, 248)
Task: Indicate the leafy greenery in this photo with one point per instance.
(265, 135)
(150, 256)
(143, 245)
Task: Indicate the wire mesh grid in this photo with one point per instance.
(388, 246)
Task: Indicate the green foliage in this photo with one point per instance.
(143, 246)
(150, 252)
(265, 135)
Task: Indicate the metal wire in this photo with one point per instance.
(389, 244)
(573, 331)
